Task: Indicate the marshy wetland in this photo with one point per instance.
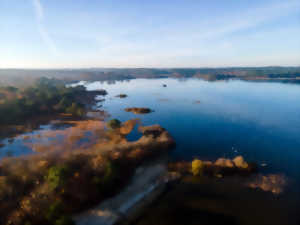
(211, 121)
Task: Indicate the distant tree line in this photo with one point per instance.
(24, 78)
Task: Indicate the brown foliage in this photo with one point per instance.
(93, 171)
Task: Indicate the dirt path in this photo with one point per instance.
(146, 181)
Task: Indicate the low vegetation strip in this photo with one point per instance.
(21, 77)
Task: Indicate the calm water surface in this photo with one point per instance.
(260, 121)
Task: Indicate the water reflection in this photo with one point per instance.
(260, 120)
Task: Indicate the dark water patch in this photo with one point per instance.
(218, 201)
(57, 135)
(134, 135)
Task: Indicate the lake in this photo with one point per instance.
(258, 120)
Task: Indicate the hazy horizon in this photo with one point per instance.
(163, 68)
(39, 34)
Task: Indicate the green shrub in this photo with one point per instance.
(76, 110)
(57, 176)
(64, 103)
(114, 124)
(197, 167)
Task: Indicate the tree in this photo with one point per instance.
(114, 124)
(57, 176)
(197, 167)
(75, 109)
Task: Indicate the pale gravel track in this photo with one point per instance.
(145, 181)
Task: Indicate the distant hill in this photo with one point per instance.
(24, 77)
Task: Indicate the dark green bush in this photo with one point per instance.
(46, 96)
(114, 124)
(57, 176)
(76, 110)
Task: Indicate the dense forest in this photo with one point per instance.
(45, 96)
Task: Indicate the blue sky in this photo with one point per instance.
(148, 33)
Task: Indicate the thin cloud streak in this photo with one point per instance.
(241, 21)
(213, 39)
(39, 11)
(207, 33)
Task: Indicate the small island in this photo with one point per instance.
(136, 110)
(122, 96)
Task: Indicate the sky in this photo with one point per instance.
(149, 33)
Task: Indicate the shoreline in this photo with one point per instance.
(89, 99)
